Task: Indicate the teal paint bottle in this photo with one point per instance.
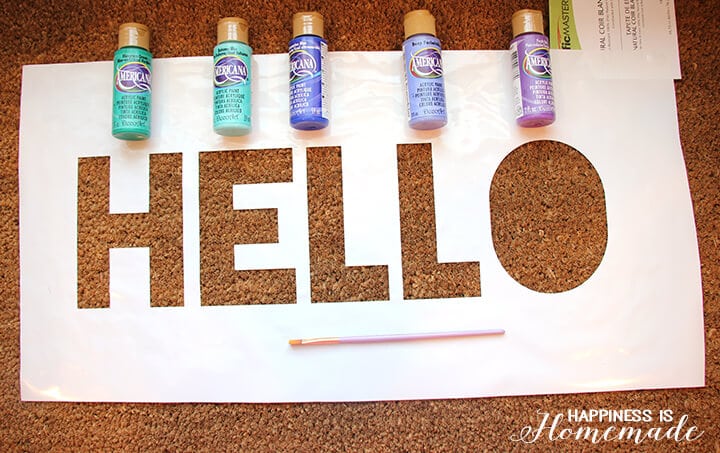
(132, 85)
(232, 107)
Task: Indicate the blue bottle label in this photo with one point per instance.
(425, 85)
(308, 73)
(132, 92)
(232, 81)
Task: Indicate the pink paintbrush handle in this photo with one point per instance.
(396, 337)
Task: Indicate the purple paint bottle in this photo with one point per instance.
(424, 82)
(532, 78)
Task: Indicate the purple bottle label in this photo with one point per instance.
(133, 77)
(532, 76)
(424, 83)
(230, 70)
(426, 63)
(537, 63)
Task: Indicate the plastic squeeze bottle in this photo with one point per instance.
(424, 82)
(308, 73)
(532, 78)
(232, 107)
(132, 87)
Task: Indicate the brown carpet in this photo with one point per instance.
(54, 31)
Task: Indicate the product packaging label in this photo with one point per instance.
(232, 76)
(424, 81)
(132, 92)
(625, 38)
(532, 76)
(308, 74)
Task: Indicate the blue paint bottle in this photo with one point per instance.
(232, 75)
(132, 67)
(424, 83)
(308, 73)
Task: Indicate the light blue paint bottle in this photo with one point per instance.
(424, 82)
(308, 73)
(132, 85)
(232, 109)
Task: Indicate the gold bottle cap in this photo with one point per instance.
(308, 23)
(134, 34)
(232, 29)
(419, 21)
(527, 21)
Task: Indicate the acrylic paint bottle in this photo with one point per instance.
(532, 78)
(232, 109)
(133, 76)
(308, 73)
(424, 82)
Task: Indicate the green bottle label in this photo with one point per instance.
(563, 33)
(231, 94)
(132, 93)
